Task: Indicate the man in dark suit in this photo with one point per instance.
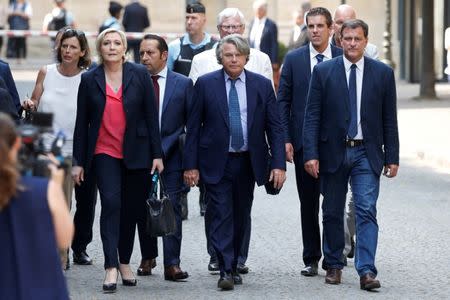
(135, 19)
(263, 32)
(173, 92)
(294, 83)
(234, 110)
(351, 129)
(5, 74)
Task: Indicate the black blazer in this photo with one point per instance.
(142, 142)
(135, 17)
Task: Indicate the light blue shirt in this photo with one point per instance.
(242, 95)
(175, 46)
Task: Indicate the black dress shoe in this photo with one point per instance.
(213, 265)
(81, 258)
(242, 268)
(146, 266)
(237, 279)
(351, 254)
(310, 270)
(226, 282)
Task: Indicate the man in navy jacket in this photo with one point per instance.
(350, 132)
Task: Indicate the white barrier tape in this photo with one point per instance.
(88, 34)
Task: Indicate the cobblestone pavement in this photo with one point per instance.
(413, 212)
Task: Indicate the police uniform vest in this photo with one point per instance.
(183, 62)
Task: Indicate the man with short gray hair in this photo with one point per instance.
(234, 110)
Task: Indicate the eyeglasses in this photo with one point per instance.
(232, 27)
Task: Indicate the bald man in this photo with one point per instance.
(343, 13)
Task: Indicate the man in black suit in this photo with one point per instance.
(135, 19)
(294, 83)
(5, 74)
(263, 32)
(174, 93)
(350, 133)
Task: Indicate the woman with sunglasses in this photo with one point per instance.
(117, 140)
(56, 91)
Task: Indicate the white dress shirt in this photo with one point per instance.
(359, 80)
(256, 33)
(206, 62)
(327, 55)
(162, 89)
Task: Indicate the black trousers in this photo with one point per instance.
(309, 192)
(86, 199)
(136, 189)
(133, 45)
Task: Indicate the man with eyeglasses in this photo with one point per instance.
(230, 21)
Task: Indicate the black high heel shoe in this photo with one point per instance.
(110, 287)
(128, 282)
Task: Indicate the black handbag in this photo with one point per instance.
(161, 219)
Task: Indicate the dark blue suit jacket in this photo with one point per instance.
(135, 17)
(176, 106)
(327, 115)
(269, 40)
(293, 90)
(142, 141)
(5, 73)
(208, 130)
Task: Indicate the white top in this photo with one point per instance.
(162, 88)
(359, 80)
(206, 62)
(257, 30)
(327, 55)
(60, 98)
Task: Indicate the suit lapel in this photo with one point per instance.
(221, 95)
(126, 77)
(307, 64)
(365, 89)
(171, 83)
(342, 77)
(251, 90)
(100, 79)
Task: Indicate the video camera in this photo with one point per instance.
(33, 153)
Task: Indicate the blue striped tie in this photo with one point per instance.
(237, 135)
(353, 127)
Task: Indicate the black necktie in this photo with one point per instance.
(353, 127)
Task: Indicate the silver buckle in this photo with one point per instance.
(352, 143)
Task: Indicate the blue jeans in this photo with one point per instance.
(365, 185)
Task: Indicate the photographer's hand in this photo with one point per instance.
(78, 174)
(29, 104)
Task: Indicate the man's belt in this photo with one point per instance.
(353, 143)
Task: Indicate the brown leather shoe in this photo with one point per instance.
(333, 276)
(368, 282)
(174, 273)
(146, 266)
